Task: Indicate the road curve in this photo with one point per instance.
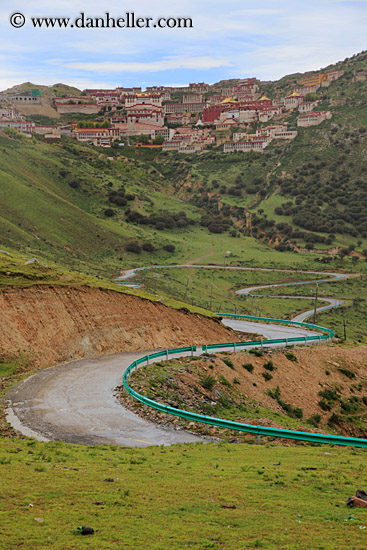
(75, 402)
(250, 291)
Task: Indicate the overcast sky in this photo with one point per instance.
(236, 39)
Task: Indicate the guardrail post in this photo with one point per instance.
(147, 359)
(192, 351)
(166, 354)
(305, 339)
(258, 442)
(286, 342)
(234, 347)
(319, 339)
(261, 343)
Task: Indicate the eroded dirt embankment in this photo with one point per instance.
(55, 324)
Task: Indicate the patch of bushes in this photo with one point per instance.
(148, 247)
(290, 356)
(267, 376)
(314, 420)
(133, 246)
(257, 352)
(350, 405)
(208, 382)
(229, 363)
(329, 395)
(269, 366)
(334, 419)
(74, 184)
(224, 402)
(249, 367)
(224, 381)
(294, 412)
(348, 373)
(162, 220)
(325, 405)
(108, 212)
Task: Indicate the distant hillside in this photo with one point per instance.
(48, 94)
(307, 194)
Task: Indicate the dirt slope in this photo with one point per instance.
(54, 324)
(327, 384)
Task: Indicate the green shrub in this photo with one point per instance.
(275, 394)
(290, 356)
(224, 381)
(325, 405)
(348, 373)
(257, 352)
(133, 246)
(236, 381)
(297, 412)
(224, 402)
(334, 419)
(329, 395)
(229, 363)
(314, 420)
(109, 212)
(249, 367)
(267, 376)
(208, 382)
(269, 366)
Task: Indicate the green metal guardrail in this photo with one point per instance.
(239, 426)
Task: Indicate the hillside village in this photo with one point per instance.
(188, 119)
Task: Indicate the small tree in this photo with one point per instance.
(158, 140)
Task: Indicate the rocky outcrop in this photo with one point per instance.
(51, 324)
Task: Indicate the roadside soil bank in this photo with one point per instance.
(51, 324)
(320, 389)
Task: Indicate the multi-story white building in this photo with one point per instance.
(313, 119)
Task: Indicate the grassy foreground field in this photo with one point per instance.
(220, 496)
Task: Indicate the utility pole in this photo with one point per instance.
(252, 304)
(315, 308)
(345, 329)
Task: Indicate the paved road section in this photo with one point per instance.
(75, 403)
(269, 331)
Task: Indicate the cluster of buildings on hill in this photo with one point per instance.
(10, 117)
(186, 119)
